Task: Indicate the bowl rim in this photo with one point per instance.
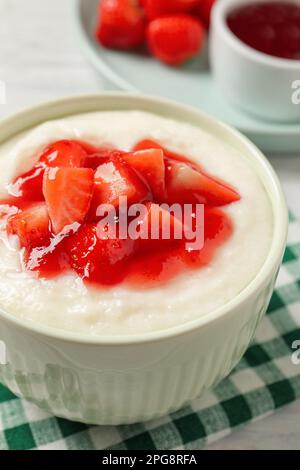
(279, 208)
(219, 14)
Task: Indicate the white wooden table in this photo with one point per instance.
(40, 60)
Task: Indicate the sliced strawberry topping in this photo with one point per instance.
(88, 148)
(190, 186)
(68, 194)
(28, 186)
(97, 259)
(113, 180)
(72, 179)
(150, 166)
(50, 260)
(64, 153)
(98, 157)
(32, 226)
(148, 144)
(158, 224)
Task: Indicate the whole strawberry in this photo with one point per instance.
(157, 8)
(175, 39)
(121, 24)
(203, 10)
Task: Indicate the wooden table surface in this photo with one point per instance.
(40, 60)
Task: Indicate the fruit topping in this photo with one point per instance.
(186, 184)
(158, 228)
(148, 144)
(28, 186)
(64, 153)
(68, 193)
(114, 180)
(98, 259)
(150, 166)
(67, 213)
(32, 226)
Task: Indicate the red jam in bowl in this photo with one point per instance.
(53, 210)
(269, 27)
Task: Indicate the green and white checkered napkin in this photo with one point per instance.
(264, 380)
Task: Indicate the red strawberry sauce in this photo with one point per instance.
(52, 209)
(269, 27)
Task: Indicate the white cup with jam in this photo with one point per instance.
(255, 56)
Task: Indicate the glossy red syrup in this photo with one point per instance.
(52, 211)
(270, 27)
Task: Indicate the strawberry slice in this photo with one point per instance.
(148, 144)
(98, 260)
(31, 225)
(113, 180)
(190, 186)
(149, 165)
(88, 148)
(158, 228)
(100, 156)
(68, 194)
(64, 153)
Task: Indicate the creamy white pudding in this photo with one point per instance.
(66, 302)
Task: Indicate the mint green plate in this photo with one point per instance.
(191, 84)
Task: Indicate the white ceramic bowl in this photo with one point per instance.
(258, 83)
(114, 380)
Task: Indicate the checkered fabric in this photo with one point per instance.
(264, 380)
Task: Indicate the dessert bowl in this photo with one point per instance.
(260, 84)
(126, 378)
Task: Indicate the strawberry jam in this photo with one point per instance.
(67, 213)
(269, 27)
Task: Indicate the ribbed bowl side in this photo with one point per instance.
(136, 394)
